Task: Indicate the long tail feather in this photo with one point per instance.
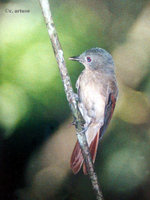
(93, 150)
(76, 159)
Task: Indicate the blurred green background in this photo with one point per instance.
(36, 135)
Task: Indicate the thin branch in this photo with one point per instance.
(79, 122)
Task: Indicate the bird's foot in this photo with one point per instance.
(74, 122)
(83, 130)
(76, 97)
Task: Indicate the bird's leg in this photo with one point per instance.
(76, 96)
(85, 128)
(73, 122)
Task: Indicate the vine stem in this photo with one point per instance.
(79, 122)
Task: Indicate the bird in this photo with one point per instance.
(97, 93)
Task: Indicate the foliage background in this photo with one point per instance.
(36, 135)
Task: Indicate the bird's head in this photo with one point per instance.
(95, 59)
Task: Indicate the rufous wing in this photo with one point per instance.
(109, 109)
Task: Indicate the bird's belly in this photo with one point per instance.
(92, 102)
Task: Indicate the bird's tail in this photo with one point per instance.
(77, 158)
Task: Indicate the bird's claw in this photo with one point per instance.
(83, 130)
(74, 122)
(76, 97)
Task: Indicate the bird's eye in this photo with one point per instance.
(88, 59)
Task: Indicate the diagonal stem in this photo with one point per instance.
(79, 122)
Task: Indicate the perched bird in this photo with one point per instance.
(97, 94)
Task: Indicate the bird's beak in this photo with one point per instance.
(75, 58)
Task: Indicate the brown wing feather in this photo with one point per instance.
(109, 109)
